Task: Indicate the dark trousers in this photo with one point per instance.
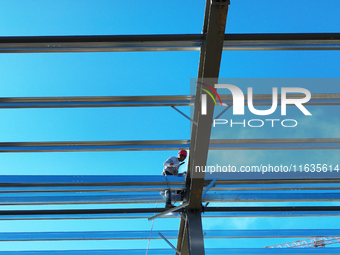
(167, 196)
(167, 192)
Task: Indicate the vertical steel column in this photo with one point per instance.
(194, 233)
(209, 66)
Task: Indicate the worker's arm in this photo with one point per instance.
(171, 165)
(170, 162)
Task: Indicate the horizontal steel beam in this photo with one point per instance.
(142, 213)
(155, 197)
(256, 187)
(94, 189)
(264, 214)
(179, 42)
(274, 144)
(87, 180)
(209, 251)
(169, 211)
(273, 211)
(143, 101)
(78, 102)
(234, 187)
(217, 144)
(170, 234)
(273, 251)
(266, 99)
(124, 215)
(94, 146)
(108, 43)
(146, 188)
(92, 252)
(292, 178)
(88, 235)
(291, 41)
(51, 182)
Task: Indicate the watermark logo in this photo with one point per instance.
(271, 102)
(239, 99)
(204, 97)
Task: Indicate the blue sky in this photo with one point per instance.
(145, 73)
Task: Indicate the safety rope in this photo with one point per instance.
(147, 249)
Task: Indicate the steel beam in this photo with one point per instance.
(92, 252)
(127, 213)
(274, 144)
(170, 244)
(217, 144)
(170, 234)
(266, 99)
(87, 180)
(213, 251)
(209, 66)
(179, 42)
(81, 199)
(77, 102)
(94, 146)
(279, 41)
(155, 197)
(298, 177)
(100, 43)
(276, 187)
(169, 210)
(87, 235)
(48, 182)
(145, 101)
(143, 213)
(273, 251)
(271, 214)
(194, 233)
(91, 189)
(112, 183)
(232, 187)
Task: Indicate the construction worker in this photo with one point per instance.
(171, 167)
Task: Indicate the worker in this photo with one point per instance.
(171, 167)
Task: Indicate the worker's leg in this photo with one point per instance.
(167, 193)
(167, 198)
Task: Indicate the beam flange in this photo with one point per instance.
(170, 234)
(282, 41)
(209, 67)
(99, 43)
(154, 197)
(215, 144)
(142, 213)
(94, 146)
(175, 42)
(147, 101)
(100, 101)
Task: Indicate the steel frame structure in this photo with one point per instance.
(217, 144)
(170, 234)
(144, 101)
(212, 251)
(143, 213)
(180, 42)
(96, 188)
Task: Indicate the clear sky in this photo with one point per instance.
(148, 73)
